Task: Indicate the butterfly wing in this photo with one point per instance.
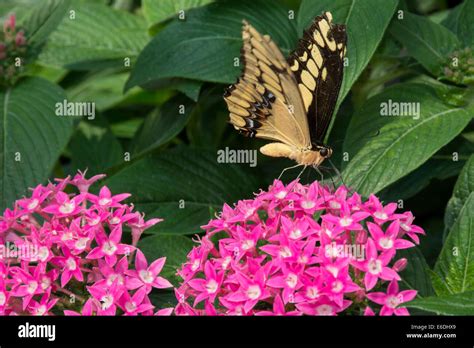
(317, 64)
(265, 101)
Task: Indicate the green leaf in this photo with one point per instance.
(31, 136)
(453, 304)
(362, 40)
(159, 11)
(97, 34)
(95, 148)
(44, 19)
(416, 275)
(181, 185)
(460, 21)
(429, 43)
(463, 188)
(174, 248)
(404, 142)
(209, 42)
(455, 264)
(162, 125)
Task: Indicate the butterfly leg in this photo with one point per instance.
(338, 173)
(284, 170)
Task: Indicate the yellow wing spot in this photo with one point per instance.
(304, 57)
(324, 27)
(316, 54)
(295, 65)
(311, 66)
(318, 38)
(237, 110)
(237, 121)
(308, 80)
(239, 101)
(329, 16)
(324, 74)
(339, 46)
(306, 95)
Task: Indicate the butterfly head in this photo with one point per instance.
(324, 151)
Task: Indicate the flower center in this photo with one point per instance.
(254, 292)
(45, 283)
(146, 276)
(324, 309)
(114, 221)
(71, 264)
(292, 280)
(67, 207)
(247, 244)
(33, 204)
(109, 248)
(195, 265)
(114, 276)
(40, 310)
(285, 252)
(308, 204)
(393, 301)
(66, 236)
(381, 215)
(405, 227)
(131, 306)
(337, 286)
(32, 286)
(107, 301)
(386, 243)
(312, 292)
(104, 201)
(295, 234)
(281, 194)
(226, 262)
(335, 205)
(345, 221)
(374, 266)
(81, 243)
(43, 253)
(94, 221)
(211, 286)
(3, 298)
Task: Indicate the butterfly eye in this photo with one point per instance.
(324, 151)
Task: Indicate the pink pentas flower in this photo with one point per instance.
(296, 249)
(147, 276)
(391, 300)
(71, 255)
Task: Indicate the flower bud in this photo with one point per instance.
(361, 237)
(400, 265)
(9, 24)
(20, 38)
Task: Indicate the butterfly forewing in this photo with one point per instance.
(317, 64)
(265, 102)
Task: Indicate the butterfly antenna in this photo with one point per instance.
(322, 179)
(338, 173)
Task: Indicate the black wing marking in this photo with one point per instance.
(319, 57)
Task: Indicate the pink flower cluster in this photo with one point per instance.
(13, 45)
(299, 249)
(63, 253)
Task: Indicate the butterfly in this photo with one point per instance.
(289, 101)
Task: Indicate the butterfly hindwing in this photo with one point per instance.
(265, 102)
(317, 64)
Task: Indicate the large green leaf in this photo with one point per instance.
(463, 188)
(426, 41)
(455, 264)
(205, 45)
(31, 136)
(45, 16)
(184, 186)
(453, 304)
(175, 248)
(404, 142)
(94, 147)
(98, 33)
(362, 40)
(159, 11)
(416, 274)
(461, 23)
(162, 125)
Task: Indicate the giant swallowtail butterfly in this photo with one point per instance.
(290, 102)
